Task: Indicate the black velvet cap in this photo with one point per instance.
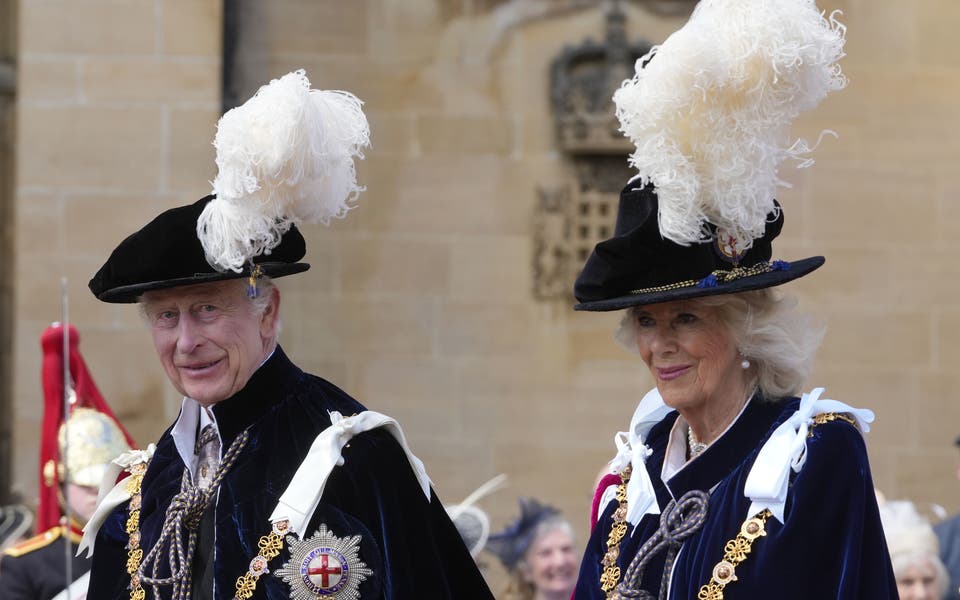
(167, 253)
(639, 266)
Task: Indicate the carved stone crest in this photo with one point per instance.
(570, 218)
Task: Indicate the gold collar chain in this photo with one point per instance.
(134, 551)
(611, 571)
(269, 545)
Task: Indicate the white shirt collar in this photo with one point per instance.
(676, 455)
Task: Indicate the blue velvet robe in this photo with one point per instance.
(409, 542)
(830, 545)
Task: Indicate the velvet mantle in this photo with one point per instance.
(409, 542)
(830, 544)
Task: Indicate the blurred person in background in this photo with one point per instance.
(914, 552)
(538, 553)
(948, 534)
(74, 455)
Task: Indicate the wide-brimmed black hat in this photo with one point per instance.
(639, 266)
(167, 253)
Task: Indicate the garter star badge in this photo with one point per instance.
(324, 566)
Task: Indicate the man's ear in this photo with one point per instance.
(270, 319)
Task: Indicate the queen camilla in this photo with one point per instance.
(730, 481)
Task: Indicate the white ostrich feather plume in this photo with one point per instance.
(710, 113)
(284, 157)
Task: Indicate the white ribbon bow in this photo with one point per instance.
(300, 500)
(632, 450)
(111, 496)
(767, 483)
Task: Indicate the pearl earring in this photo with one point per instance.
(745, 364)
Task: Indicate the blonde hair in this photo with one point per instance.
(768, 330)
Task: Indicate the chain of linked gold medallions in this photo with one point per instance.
(270, 547)
(611, 571)
(134, 551)
(734, 552)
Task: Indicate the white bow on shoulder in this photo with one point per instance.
(110, 495)
(632, 450)
(767, 483)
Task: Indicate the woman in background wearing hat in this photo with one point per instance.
(726, 485)
(538, 552)
(914, 551)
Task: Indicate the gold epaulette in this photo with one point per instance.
(823, 418)
(40, 541)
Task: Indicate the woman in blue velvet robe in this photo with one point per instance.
(726, 484)
(829, 543)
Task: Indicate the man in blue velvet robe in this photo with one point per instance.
(199, 529)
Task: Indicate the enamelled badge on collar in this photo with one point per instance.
(324, 566)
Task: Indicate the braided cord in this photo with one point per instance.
(680, 519)
(185, 512)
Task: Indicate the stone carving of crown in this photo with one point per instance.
(582, 81)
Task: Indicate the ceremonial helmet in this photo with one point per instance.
(87, 441)
(76, 445)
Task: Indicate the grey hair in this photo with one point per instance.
(519, 586)
(911, 541)
(546, 526)
(768, 330)
(261, 300)
(903, 562)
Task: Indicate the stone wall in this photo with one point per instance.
(117, 106)
(8, 52)
(420, 302)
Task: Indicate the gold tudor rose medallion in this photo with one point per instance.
(324, 566)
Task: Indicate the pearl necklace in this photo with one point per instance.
(696, 447)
